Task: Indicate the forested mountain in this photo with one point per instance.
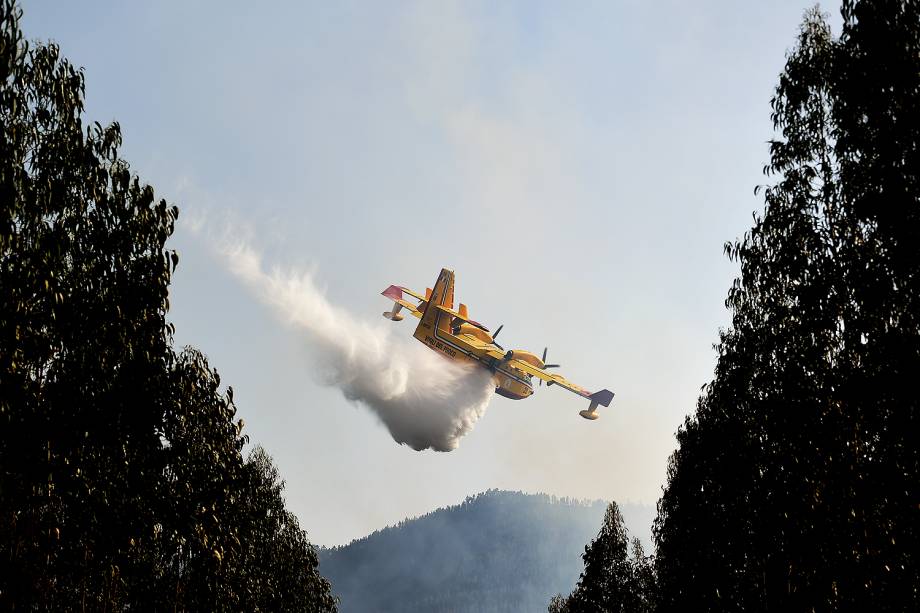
(497, 551)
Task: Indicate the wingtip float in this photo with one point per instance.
(453, 334)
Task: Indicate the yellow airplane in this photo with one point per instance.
(453, 334)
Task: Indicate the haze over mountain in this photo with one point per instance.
(496, 551)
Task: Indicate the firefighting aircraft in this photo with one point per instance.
(453, 334)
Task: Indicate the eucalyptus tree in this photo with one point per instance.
(122, 479)
(614, 580)
(795, 484)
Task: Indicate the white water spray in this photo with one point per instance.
(422, 398)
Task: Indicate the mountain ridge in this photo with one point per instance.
(497, 550)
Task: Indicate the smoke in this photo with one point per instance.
(424, 400)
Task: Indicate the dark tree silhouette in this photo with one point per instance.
(122, 483)
(795, 484)
(276, 563)
(613, 580)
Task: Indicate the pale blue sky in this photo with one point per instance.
(579, 165)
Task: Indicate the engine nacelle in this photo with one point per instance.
(472, 330)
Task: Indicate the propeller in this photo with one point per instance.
(547, 366)
(497, 330)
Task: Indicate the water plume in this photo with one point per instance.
(424, 400)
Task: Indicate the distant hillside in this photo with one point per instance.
(497, 551)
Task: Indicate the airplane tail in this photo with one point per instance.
(442, 294)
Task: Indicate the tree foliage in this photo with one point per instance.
(614, 580)
(122, 480)
(795, 484)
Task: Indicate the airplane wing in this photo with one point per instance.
(395, 293)
(602, 397)
(406, 290)
(441, 307)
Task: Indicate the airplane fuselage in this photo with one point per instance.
(510, 382)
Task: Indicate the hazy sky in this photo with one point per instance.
(579, 165)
